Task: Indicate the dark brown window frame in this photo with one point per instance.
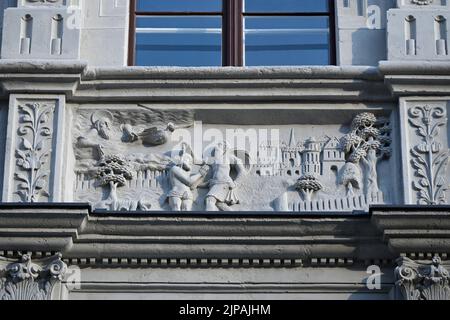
(232, 29)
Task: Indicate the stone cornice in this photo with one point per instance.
(233, 84)
(40, 76)
(412, 229)
(81, 83)
(312, 239)
(416, 78)
(201, 73)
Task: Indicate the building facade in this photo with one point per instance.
(152, 152)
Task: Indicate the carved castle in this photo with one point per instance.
(319, 158)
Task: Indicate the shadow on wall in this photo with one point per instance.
(368, 46)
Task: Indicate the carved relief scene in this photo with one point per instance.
(186, 159)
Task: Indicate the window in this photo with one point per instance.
(231, 32)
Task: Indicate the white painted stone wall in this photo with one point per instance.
(102, 29)
(419, 32)
(361, 31)
(104, 40)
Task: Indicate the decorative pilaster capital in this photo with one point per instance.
(30, 280)
(421, 281)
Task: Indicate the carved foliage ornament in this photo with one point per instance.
(416, 281)
(32, 152)
(26, 280)
(429, 158)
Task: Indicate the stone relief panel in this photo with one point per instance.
(428, 152)
(30, 280)
(144, 158)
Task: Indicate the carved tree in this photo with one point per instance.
(430, 158)
(416, 281)
(368, 142)
(114, 172)
(308, 184)
(350, 177)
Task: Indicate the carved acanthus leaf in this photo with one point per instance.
(32, 152)
(429, 157)
(28, 280)
(416, 281)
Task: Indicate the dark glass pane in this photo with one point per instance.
(179, 5)
(179, 41)
(286, 6)
(277, 41)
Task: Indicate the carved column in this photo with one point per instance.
(35, 149)
(425, 150)
(420, 281)
(28, 280)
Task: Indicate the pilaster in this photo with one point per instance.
(34, 158)
(425, 150)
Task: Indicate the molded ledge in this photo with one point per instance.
(92, 236)
(416, 78)
(414, 229)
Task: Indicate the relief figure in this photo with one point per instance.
(222, 187)
(183, 182)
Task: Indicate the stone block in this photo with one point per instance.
(40, 33)
(418, 34)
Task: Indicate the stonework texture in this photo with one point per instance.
(264, 182)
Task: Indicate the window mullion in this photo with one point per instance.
(132, 34)
(232, 37)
